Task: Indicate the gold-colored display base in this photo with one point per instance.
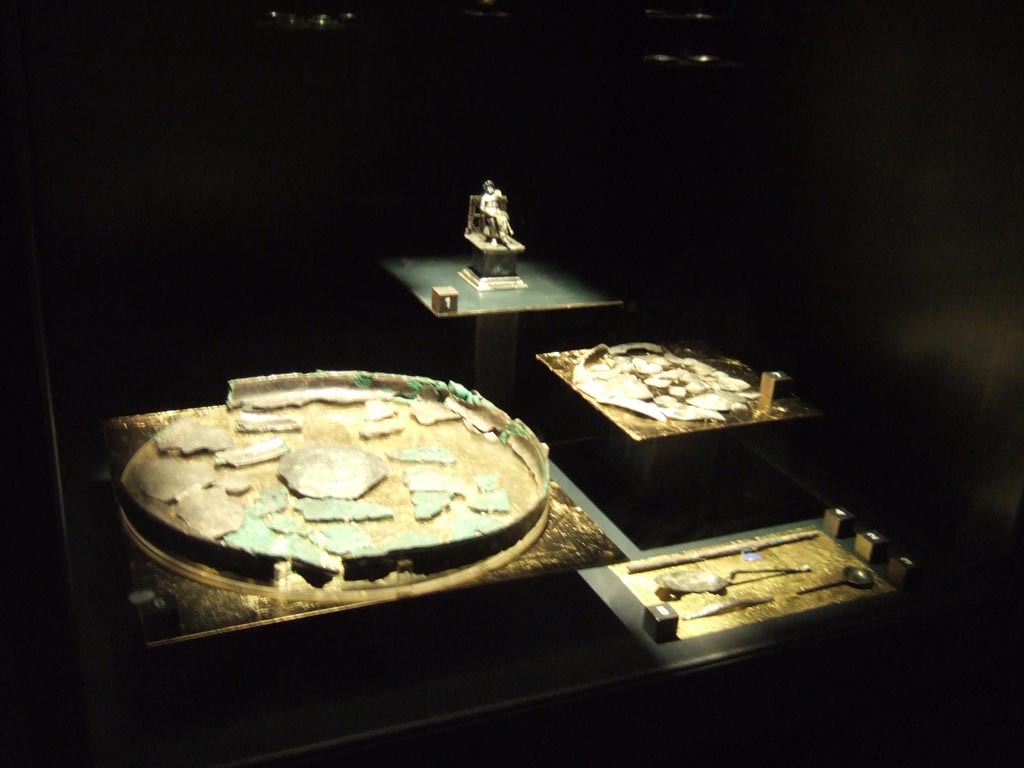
(640, 427)
(826, 557)
(210, 603)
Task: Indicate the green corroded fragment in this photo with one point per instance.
(459, 391)
(411, 540)
(318, 510)
(425, 454)
(487, 483)
(301, 548)
(429, 504)
(286, 522)
(273, 499)
(363, 380)
(490, 501)
(514, 428)
(253, 536)
(343, 538)
(420, 478)
(466, 524)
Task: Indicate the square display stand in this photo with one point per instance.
(493, 271)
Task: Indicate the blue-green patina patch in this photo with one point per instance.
(487, 483)
(343, 538)
(301, 548)
(253, 536)
(513, 428)
(425, 454)
(362, 380)
(467, 525)
(429, 504)
(317, 510)
(490, 502)
(273, 499)
(286, 522)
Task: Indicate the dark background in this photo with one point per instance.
(200, 193)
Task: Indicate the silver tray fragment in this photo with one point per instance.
(331, 471)
(190, 436)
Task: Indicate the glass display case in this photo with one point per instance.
(763, 350)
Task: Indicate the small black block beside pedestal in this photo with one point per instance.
(660, 622)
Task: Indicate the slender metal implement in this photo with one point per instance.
(853, 576)
(725, 606)
(722, 550)
(683, 582)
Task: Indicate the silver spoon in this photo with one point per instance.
(853, 576)
(683, 582)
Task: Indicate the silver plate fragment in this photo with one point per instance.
(267, 422)
(252, 454)
(381, 429)
(211, 512)
(190, 435)
(429, 412)
(332, 470)
(378, 410)
(166, 478)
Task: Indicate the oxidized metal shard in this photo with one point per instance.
(271, 401)
(420, 478)
(483, 417)
(725, 606)
(489, 502)
(429, 412)
(520, 439)
(729, 384)
(254, 535)
(190, 435)
(267, 422)
(467, 525)
(331, 471)
(684, 582)
(424, 454)
(589, 360)
(692, 413)
(378, 410)
(264, 393)
(654, 382)
(637, 406)
(711, 401)
(256, 453)
(236, 485)
(344, 538)
(625, 349)
(210, 512)
(318, 510)
(486, 482)
(166, 478)
(287, 522)
(429, 504)
(272, 499)
(381, 429)
(296, 547)
(645, 368)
